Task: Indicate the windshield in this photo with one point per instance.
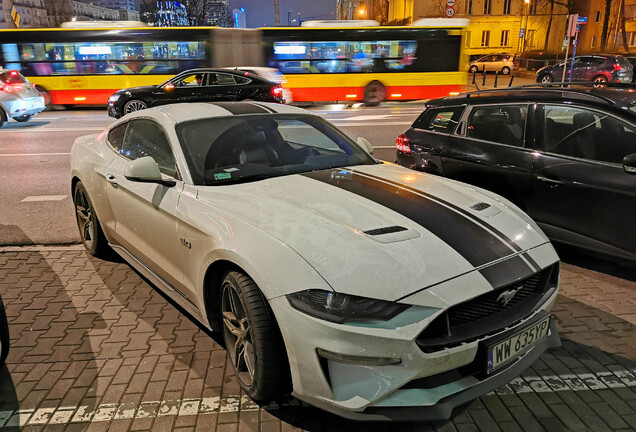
(254, 147)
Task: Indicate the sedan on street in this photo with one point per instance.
(566, 156)
(364, 288)
(19, 100)
(196, 85)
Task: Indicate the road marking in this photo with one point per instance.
(365, 117)
(37, 198)
(375, 124)
(32, 154)
(619, 377)
(45, 129)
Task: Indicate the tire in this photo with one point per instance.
(599, 80)
(546, 79)
(4, 334)
(473, 69)
(374, 93)
(252, 339)
(134, 105)
(3, 117)
(23, 118)
(505, 70)
(90, 230)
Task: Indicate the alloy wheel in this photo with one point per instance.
(238, 334)
(134, 105)
(85, 218)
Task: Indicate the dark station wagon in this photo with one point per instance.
(566, 156)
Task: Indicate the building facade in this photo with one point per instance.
(116, 4)
(30, 14)
(591, 35)
(60, 11)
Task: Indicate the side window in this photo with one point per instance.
(146, 138)
(500, 124)
(439, 119)
(221, 79)
(242, 80)
(194, 80)
(587, 134)
(116, 136)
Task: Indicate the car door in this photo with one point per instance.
(220, 87)
(186, 88)
(145, 213)
(583, 69)
(492, 149)
(581, 188)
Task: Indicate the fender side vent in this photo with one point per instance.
(480, 206)
(385, 230)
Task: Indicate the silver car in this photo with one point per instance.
(503, 63)
(19, 100)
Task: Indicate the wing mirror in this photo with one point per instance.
(365, 144)
(146, 170)
(629, 163)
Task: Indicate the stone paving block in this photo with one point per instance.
(525, 419)
(608, 415)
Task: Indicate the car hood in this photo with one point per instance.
(141, 89)
(381, 231)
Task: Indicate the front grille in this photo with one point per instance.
(485, 315)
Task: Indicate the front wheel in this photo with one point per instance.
(134, 105)
(473, 69)
(546, 79)
(23, 118)
(505, 70)
(374, 93)
(90, 230)
(252, 339)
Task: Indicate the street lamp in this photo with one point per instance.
(363, 13)
(525, 29)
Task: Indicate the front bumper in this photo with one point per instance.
(113, 110)
(422, 386)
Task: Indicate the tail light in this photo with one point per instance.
(7, 88)
(617, 67)
(277, 91)
(403, 144)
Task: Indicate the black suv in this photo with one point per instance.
(566, 156)
(597, 68)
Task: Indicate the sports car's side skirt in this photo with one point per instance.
(443, 409)
(160, 283)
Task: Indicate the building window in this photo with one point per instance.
(485, 38)
(530, 39)
(506, 7)
(632, 38)
(594, 41)
(597, 16)
(487, 4)
(505, 36)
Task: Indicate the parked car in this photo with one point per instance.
(566, 156)
(4, 334)
(270, 74)
(19, 100)
(632, 60)
(279, 231)
(196, 85)
(500, 62)
(597, 68)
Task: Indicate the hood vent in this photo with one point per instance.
(385, 230)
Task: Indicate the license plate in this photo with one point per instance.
(502, 352)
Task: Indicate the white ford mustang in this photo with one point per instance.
(369, 290)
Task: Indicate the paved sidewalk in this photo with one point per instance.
(94, 348)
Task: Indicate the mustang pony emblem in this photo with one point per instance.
(506, 296)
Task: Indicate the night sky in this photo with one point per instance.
(260, 13)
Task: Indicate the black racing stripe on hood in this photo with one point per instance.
(472, 241)
(466, 213)
(506, 272)
(238, 108)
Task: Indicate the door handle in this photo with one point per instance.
(549, 181)
(111, 179)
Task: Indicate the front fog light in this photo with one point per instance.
(358, 360)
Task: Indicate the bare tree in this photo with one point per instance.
(606, 18)
(622, 26)
(209, 12)
(148, 11)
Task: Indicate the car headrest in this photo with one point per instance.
(582, 120)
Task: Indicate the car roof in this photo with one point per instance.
(622, 97)
(182, 112)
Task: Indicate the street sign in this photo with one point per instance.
(450, 12)
(450, 3)
(578, 27)
(581, 20)
(572, 25)
(521, 33)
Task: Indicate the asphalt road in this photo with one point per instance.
(35, 200)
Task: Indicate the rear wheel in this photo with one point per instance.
(252, 339)
(473, 69)
(47, 97)
(4, 334)
(546, 79)
(3, 117)
(374, 93)
(90, 230)
(134, 105)
(505, 70)
(22, 118)
(599, 80)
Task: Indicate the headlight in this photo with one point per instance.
(340, 308)
(113, 98)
